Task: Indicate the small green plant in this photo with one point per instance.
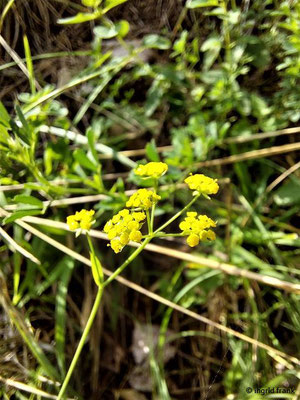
(127, 224)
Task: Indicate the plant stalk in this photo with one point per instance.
(81, 342)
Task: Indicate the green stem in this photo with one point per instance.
(153, 206)
(163, 234)
(128, 261)
(82, 342)
(149, 222)
(177, 215)
(90, 243)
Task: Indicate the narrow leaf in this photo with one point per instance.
(20, 214)
(83, 160)
(79, 18)
(20, 198)
(96, 269)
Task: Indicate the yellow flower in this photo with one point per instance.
(138, 216)
(202, 184)
(193, 240)
(72, 222)
(116, 245)
(135, 236)
(81, 220)
(123, 227)
(143, 198)
(152, 169)
(195, 227)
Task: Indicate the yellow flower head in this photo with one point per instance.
(123, 227)
(195, 227)
(81, 220)
(143, 199)
(152, 169)
(202, 184)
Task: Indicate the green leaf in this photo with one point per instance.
(91, 3)
(123, 28)
(4, 116)
(79, 18)
(4, 135)
(20, 198)
(109, 4)
(260, 107)
(151, 151)
(201, 3)
(179, 45)
(19, 134)
(155, 95)
(211, 47)
(155, 41)
(107, 32)
(20, 214)
(83, 160)
(29, 64)
(28, 136)
(96, 269)
(61, 310)
(288, 194)
(92, 141)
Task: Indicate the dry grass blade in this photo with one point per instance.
(264, 135)
(26, 388)
(80, 139)
(238, 139)
(250, 155)
(282, 177)
(17, 247)
(271, 351)
(226, 268)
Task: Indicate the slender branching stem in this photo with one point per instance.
(177, 215)
(81, 342)
(128, 261)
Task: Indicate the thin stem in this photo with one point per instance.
(90, 243)
(81, 343)
(177, 215)
(149, 222)
(128, 261)
(153, 206)
(163, 234)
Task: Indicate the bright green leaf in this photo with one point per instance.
(151, 151)
(20, 214)
(91, 3)
(79, 18)
(201, 3)
(96, 269)
(20, 198)
(109, 4)
(83, 160)
(107, 32)
(4, 116)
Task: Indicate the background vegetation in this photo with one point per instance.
(88, 89)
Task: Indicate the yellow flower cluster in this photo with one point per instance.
(123, 227)
(202, 184)
(143, 199)
(81, 220)
(195, 226)
(152, 169)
